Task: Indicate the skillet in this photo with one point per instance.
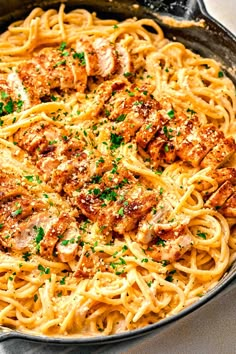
(212, 40)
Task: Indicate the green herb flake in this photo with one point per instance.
(116, 141)
(81, 58)
(62, 281)
(62, 46)
(9, 107)
(160, 242)
(29, 178)
(26, 256)
(220, 74)
(169, 278)
(202, 235)
(121, 212)
(171, 113)
(4, 95)
(40, 234)
(127, 74)
(121, 118)
(17, 212)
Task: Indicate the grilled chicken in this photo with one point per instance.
(104, 58)
(229, 208)
(61, 70)
(170, 244)
(29, 224)
(116, 204)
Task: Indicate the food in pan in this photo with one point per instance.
(118, 198)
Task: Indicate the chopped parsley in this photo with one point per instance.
(17, 212)
(169, 278)
(121, 211)
(127, 74)
(160, 242)
(59, 63)
(121, 118)
(116, 141)
(26, 256)
(39, 234)
(62, 46)
(220, 74)
(9, 107)
(81, 58)
(29, 178)
(202, 235)
(171, 113)
(43, 270)
(190, 111)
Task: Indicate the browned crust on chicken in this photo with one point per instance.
(218, 198)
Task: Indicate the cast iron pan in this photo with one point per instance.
(213, 41)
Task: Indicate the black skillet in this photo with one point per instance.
(211, 41)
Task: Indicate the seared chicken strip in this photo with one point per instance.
(29, 224)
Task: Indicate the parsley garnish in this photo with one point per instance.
(116, 141)
(16, 212)
(121, 211)
(202, 235)
(160, 242)
(171, 113)
(9, 106)
(26, 256)
(81, 58)
(62, 46)
(121, 118)
(43, 270)
(29, 178)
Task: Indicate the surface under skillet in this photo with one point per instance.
(211, 41)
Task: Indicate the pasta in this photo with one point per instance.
(107, 223)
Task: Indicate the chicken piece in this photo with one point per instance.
(90, 56)
(154, 149)
(58, 71)
(152, 124)
(137, 203)
(9, 189)
(172, 244)
(28, 229)
(224, 174)
(53, 233)
(107, 58)
(67, 247)
(80, 173)
(27, 223)
(129, 126)
(37, 137)
(88, 204)
(198, 142)
(220, 153)
(89, 264)
(218, 198)
(229, 208)
(100, 56)
(168, 153)
(13, 95)
(125, 65)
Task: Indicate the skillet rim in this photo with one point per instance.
(228, 278)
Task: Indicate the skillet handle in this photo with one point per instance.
(183, 9)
